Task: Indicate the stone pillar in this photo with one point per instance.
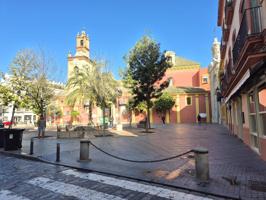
(84, 150)
(133, 117)
(113, 112)
(177, 103)
(207, 108)
(197, 106)
(99, 115)
(151, 116)
(202, 164)
(167, 120)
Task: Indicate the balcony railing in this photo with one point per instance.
(250, 26)
(223, 48)
(229, 11)
(226, 31)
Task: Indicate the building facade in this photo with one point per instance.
(213, 70)
(80, 59)
(189, 86)
(21, 116)
(243, 70)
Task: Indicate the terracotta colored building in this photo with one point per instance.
(189, 86)
(243, 70)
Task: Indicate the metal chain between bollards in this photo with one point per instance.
(140, 161)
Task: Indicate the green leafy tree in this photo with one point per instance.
(40, 93)
(146, 68)
(164, 104)
(6, 95)
(74, 114)
(27, 82)
(21, 70)
(79, 87)
(54, 111)
(105, 89)
(130, 106)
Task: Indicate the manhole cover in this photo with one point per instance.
(257, 185)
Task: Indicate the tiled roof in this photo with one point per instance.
(179, 61)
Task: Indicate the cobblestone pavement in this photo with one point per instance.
(229, 158)
(25, 179)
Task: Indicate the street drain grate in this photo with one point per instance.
(257, 185)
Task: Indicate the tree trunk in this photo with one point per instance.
(90, 112)
(130, 119)
(12, 116)
(103, 109)
(148, 118)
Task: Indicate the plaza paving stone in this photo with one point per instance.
(228, 157)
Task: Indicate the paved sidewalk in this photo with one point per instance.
(21, 181)
(228, 157)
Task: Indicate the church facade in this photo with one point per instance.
(189, 86)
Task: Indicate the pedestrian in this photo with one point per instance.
(41, 126)
(163, 119)
(199, 118)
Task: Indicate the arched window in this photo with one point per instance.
(81, 43)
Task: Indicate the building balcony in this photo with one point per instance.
(226, 31)
(249, 48)
(223, 48)
(224, 84)
(229, 12)
(228, 76)
(230, 70)
(250, 37)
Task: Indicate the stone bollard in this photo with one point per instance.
(58, 152)
(202, 164)
(31, 146)
(84, 150)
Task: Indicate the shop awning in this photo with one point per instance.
(238, 85)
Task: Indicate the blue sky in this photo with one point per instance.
(114, 26)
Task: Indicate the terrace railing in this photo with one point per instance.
(250, 25)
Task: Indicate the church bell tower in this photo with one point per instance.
(82, 45)
(82, 56)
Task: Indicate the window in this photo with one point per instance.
(188, 101)
(204, 80)
(81, 43)
(170, 82)
(252, 114)
(169, 59)
(262, 109)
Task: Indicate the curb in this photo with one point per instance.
(39, 159)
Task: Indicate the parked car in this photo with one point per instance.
(7, 123)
